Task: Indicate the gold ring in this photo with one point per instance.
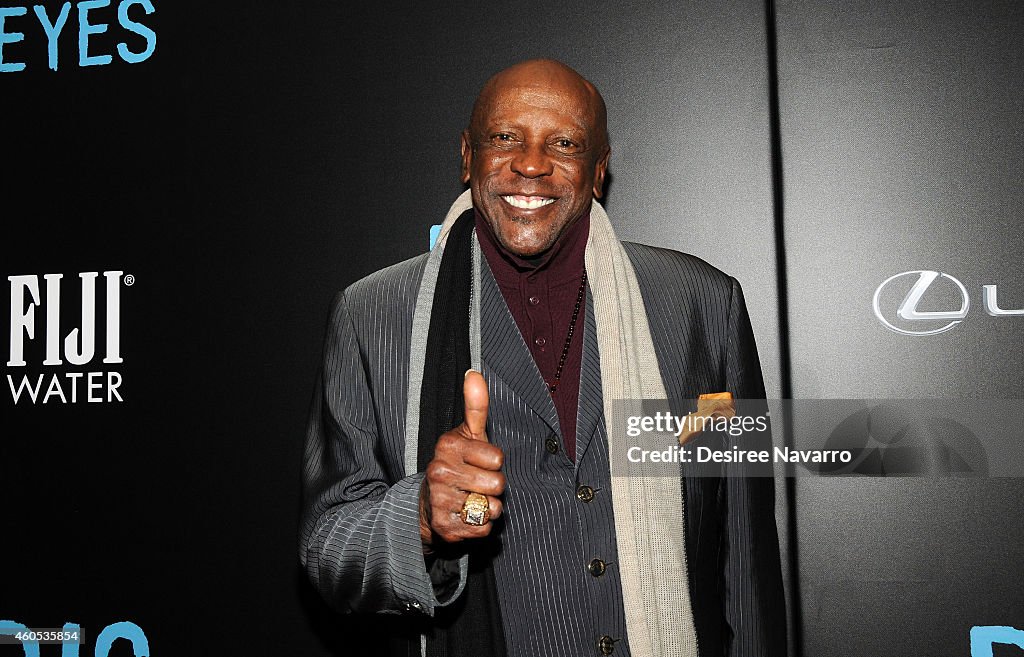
(475, 510)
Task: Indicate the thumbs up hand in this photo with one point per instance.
(464, 462)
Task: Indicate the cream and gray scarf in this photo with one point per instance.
(649, 514)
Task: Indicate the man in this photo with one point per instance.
(479, 505)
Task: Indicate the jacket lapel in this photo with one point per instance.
(507, 355)
(591, 406)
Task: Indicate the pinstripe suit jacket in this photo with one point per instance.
(360, 540)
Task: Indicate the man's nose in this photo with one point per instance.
(532, 161)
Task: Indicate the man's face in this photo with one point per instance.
(534, 156)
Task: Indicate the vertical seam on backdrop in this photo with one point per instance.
(781, 282)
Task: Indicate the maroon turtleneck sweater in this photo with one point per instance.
(541, 296)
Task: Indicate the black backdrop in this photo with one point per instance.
(267, 155)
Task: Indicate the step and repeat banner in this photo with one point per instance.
(902, 141)
(187, 185)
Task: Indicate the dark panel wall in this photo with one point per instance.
(901, 145)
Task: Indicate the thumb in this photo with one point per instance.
(474, 394)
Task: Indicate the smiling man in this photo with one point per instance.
(457, 465)
(535, 153)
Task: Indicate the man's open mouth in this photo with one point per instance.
(527, 202)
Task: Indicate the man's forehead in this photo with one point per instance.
(536, 96)
(513, 101)
(546, 87)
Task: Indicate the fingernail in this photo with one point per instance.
(467, 372)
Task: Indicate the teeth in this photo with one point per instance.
(527, 202)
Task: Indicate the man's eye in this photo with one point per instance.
(502, 136)
(565, 144)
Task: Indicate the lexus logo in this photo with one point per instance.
(931, 322)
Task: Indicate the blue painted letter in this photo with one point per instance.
(85, 29)
(122, 630)
(53, 30)
(140, 29)
(10, 37)
(10, 628)
(70, 648)
(984, 636)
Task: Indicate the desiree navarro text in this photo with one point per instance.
(733, 454)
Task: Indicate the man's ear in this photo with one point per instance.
(599, 172)
(467, 155)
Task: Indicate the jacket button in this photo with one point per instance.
(606, 645)
(597, 567)
(585, 493)
(551, 444)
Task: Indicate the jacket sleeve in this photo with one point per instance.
(751, 569)
(360, 541)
